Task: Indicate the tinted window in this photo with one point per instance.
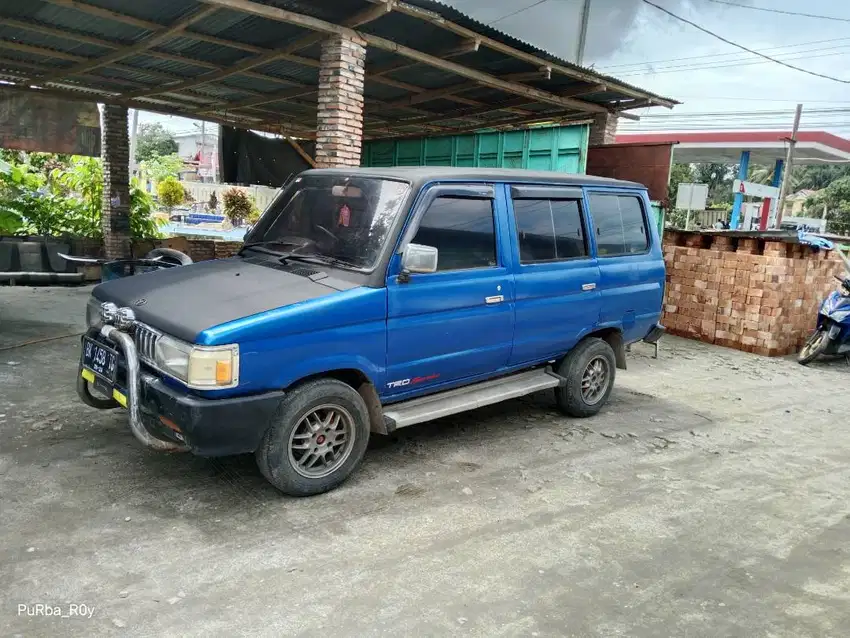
(620, 225)
(462, 230)
(549, 229)
(569, 231)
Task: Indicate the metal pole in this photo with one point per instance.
(133, 132)
(789, 166)
(743, 170)
(582, 32)
(203, 147)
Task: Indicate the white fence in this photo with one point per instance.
(201, 192)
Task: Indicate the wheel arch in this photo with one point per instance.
(364, 386)
(614, 338)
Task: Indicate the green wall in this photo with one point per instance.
(551, 148)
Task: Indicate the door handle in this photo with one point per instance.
(590, 286)
(494, 299)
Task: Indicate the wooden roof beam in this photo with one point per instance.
(322, 26)
(61, 55)
(76, 36)
(490, 43)
(108, 14)
(470, 46)
(272, 55)
(157, 37)
(480, 77)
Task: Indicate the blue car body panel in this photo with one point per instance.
(345, 330)
(440, 329)
(631, 286)
(437, 331)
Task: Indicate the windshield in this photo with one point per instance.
(344, 219)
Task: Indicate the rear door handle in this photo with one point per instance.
(588, 286)
(494, 299)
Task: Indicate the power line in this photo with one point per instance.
(740, 46)
(700, 67)
(758, 99)
(790, 13)
(531, 6)
(721, 55)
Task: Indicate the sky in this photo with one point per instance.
(638, 43)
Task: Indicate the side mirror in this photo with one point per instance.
(419, 258)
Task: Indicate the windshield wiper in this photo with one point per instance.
(323, 259)
(260, 246)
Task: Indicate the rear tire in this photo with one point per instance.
(589, 371)
(318, 438)
(814, 347)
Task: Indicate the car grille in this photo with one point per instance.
(146, 342)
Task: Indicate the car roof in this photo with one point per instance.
(421, 174)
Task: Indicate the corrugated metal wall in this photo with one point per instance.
(552, 148)
(648, 164)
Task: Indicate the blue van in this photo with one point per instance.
(366, 300)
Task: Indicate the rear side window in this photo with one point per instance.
(549, 229)
(619, 223)
(462, 230)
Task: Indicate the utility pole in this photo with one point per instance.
(582, 31)
(789, 167)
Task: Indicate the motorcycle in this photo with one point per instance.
(832, 335)
(156, 259)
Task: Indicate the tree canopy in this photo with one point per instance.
(153, 139)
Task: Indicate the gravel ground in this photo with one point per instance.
(709, 498)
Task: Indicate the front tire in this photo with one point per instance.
(318, 439)
(814, 347)
(589, 371)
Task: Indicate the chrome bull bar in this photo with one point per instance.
(127, 346)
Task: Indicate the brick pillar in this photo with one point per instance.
(339, 125)
(115, 151)
(603, 130)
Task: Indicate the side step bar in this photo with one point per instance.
(468, 397)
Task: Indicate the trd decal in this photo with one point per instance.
(403, 382)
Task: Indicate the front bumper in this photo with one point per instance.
(171, 419)
(208, 427)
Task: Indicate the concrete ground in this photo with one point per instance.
(710, 498)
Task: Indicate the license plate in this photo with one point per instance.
(100, 368)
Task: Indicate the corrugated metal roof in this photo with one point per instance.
(202, 42)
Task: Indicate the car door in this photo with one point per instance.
(455, 323)
(557, 300)
(630, 264)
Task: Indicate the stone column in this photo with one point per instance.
(115, 151)
(339, 125)
(603, 130)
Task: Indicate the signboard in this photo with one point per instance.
(755, 190)
(691, 196)
(33, 122)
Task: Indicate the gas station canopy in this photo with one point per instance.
(765, 147)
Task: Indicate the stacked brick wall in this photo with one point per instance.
(603, 130)
(339, 123)
(115, 151)
(749, 294)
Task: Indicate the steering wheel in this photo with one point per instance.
(327, 232)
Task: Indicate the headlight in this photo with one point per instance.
(93, 319)
(198, 367)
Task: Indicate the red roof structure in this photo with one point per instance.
(813, 147)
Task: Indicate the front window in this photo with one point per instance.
(341, 219)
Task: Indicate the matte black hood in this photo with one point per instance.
(186, 300)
